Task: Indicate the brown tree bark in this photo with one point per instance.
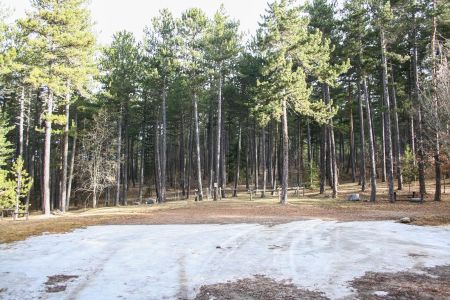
(387, 118)
(263, 161)
(47, 147)
(285, 166)
(219, 137)
(437, 144)
(72, 158)
(373, 165)
(397, 145)
(362, 167)
(238, 162)
(65, 154)
(197, 146)
(119, 157)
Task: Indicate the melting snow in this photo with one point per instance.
(173, 261)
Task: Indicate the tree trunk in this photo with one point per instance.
(141, 169)
(416, 101)
(190, 145)
(285, 168)
(373, 165)
(352, 139)
(238, 162)
(30, 150)
(211, 147)
(264, 161)
(334, 170)
(323, 159)
(387, 118)
(301, 179)
(65, 155)
(219, 138)
(119, 156)
(310, 159)
(362, 169)
(182, 159)
(383, 154)
(126, 156)
(437, 161)
(332, 156)
(164, 143)
(72, 159)
(270, 155)
(47, 146)
(256, 159)
(223, 155)
(158, 163)
(247, 158)
(198, 154)
(398, 155)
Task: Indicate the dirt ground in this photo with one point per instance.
(259, 287)
(237, 210)
(433, 283)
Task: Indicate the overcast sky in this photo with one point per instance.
(111, 16)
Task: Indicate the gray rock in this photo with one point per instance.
(416, 200)
(353, 197)
(405, 220)
(150, 201)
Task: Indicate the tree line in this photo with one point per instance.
(321, 93)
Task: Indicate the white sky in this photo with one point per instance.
(111, 16)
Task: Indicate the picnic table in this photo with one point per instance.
(12, 212)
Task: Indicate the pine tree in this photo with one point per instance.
(222, 48)
(61, 45)
(193, 27)
(290, 52)
(161, 45)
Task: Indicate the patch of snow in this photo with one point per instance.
(173, 261)
(381, 293)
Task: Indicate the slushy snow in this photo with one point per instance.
(173, 261)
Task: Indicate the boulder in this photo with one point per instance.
(353, 197)
(405, 220)
(150, 201)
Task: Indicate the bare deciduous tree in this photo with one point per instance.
(97, 159)
(435, 105)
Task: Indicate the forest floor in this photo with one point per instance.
(238, 210)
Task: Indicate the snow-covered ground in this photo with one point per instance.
(173, 261)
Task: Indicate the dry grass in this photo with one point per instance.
(236, 210)
(433, 283)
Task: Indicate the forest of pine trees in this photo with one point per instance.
(323, 93)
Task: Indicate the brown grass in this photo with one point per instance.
(235, 210)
